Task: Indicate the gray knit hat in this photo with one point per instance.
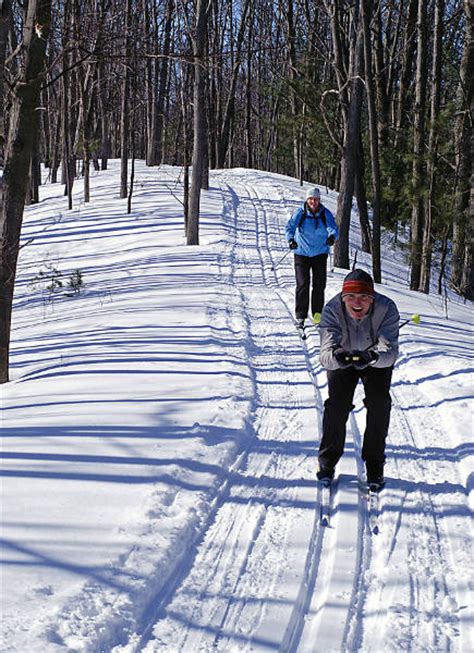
(313, 192)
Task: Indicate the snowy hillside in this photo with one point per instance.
(160, 437)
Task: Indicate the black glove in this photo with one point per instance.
(343, 357)
(330, 240)
(293, 244)
(361, 359)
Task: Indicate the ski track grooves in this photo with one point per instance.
(220, 593)
(407, 519)
(426, 540)
(224, 613)
(250, 204)
(319, 555)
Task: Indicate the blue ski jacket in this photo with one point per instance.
(311, 230)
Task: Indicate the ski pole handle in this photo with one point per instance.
(414, 318)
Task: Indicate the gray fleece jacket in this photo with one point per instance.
(378, 330)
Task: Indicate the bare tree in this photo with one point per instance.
(374, 144)
(200, 122)
(427, 244)
(25, 101)
(5, 19)
(159, 67)
(418, 167)
(224, 133)
(124, 113)
(462, 275)
(351, 129)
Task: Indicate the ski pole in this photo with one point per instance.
(416, 319)
(274, 267)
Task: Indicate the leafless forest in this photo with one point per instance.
(371, 98)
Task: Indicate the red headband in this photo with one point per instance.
(357, 286)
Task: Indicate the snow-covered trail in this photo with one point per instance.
(228, 553)
(267, 575)
(245, 579)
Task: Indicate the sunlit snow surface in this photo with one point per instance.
(160, 434)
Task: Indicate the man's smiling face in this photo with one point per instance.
(357, 304)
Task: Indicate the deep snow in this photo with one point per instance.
(160, 434)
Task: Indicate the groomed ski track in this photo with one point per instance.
(265, 575)
(255, 580)
(261, 573)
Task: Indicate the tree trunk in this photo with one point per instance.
(124, 113)
(200, 135)
(407, 54)
(427, 245)
(25, 100)
(68, 163)
(248, 97)
(160, 105)
(359, 189)
(380, 79)
(294, 100)
(104, 128)
(462, 271)
(349, 152)
(374, 144)
(418, 168)
(4, 28)
(225, 131)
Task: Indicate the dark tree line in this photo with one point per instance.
(371, 98)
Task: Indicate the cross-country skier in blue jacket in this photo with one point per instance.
(310, 232)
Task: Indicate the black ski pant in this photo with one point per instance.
(342, 384)
(305, 267)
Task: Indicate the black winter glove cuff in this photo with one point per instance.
(343, 357)
(330, 240)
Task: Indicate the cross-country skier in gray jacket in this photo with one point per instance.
(359, 340)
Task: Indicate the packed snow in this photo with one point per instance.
(160, 435)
